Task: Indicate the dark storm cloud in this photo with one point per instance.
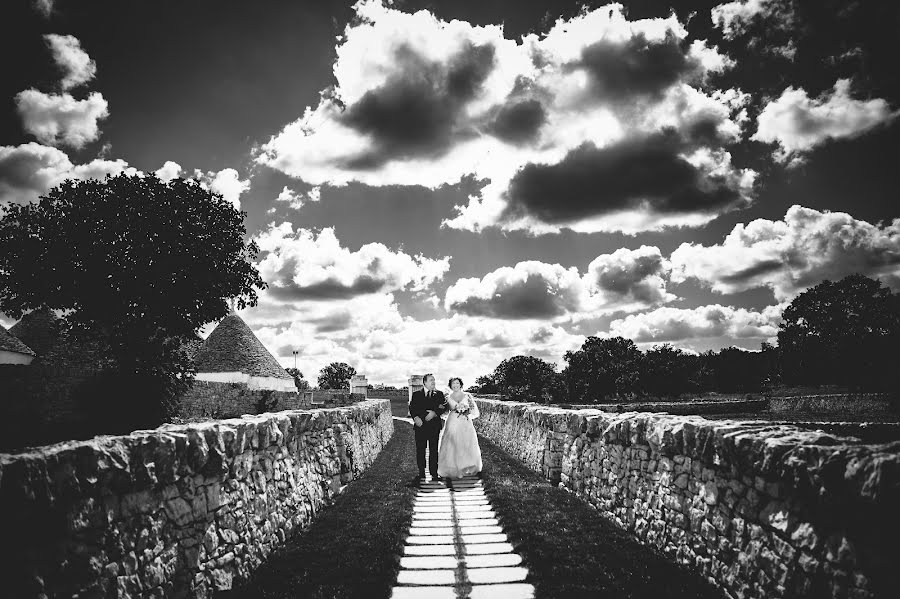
(519, 122)
(638, 67)
(430, 352)
(644, 173)
(415, 112)
(329, 289)
(533, 297)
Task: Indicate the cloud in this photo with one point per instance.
(625, 280)
(650, 177)
(797, 123)
(793, 254)
(421, 101)
(61, 119)
(168, 171)
(527, 290)
(629, 279)
(734, 18)
(667, 324)
(30, 170)
(636, 68)
(298, 200)
(303, 265)
(226, 182)
(45, 7)
(76, 65)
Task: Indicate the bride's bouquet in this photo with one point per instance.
(463, 410)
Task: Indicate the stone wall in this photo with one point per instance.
(214, 399)
(761, 510)
(180, 511)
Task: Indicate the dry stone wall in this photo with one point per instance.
(761, 510)
(180, 511)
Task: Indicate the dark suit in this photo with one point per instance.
(428, 433)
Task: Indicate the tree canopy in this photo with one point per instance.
(527, 378)
(137, 262)
(336, 375)
(843, 332)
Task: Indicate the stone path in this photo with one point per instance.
(457, 548)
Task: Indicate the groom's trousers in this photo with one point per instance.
(427, 436)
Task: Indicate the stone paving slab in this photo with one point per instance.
(430, 550)
(500, 591)
(457, 548)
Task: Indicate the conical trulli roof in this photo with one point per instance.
(39, 330)
(11, 343)
(232, 347)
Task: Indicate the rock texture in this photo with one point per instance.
(180, 511)
(761, 510)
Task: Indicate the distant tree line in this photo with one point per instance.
(844, 333)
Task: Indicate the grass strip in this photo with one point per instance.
(569, 548)
(353, 547)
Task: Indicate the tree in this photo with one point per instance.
(140, 265)
(843, 333)
(301, 383)
(526, 378)
(484, 384)
(601, 368)
(336, 375)
(734, 369)
(667, 371)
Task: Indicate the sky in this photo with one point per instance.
(438, 185)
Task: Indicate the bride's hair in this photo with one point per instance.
(455, 378)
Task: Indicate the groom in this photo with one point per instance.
(425, 408)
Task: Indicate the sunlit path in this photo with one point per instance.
(457, 548)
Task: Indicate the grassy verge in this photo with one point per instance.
(570, 550)
(352, 548)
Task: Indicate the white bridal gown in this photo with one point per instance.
(459, 454)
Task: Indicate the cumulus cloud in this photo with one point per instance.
(226, 182)
(527, 290)
(78, 68)
(625, 280)
(168, 171)
(793, 254)
(667, 324)
(734, 18)
(61, 119)
(420, 101)
(369, 332)
(629, 279)
(297, 200)
(303, 265)
(797, 123)
(32, 169)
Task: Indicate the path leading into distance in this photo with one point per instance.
(456, 547)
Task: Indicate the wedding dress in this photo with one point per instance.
(459, 454)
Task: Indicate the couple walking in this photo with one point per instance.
(459, 454)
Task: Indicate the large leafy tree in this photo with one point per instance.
(527, 378)
(667, 371)
(602, 368)
(336, 375)
(843, 332)
(137, 263)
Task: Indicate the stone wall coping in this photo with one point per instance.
(142, 459)
(837, 470)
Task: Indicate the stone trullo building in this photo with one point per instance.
(13, 350)
(233, 354)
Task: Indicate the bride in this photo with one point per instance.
(459, 454)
